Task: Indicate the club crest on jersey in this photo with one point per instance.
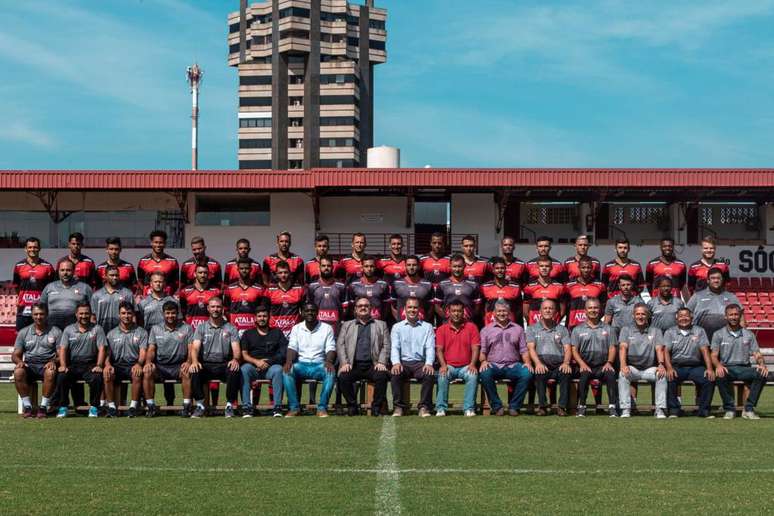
(51, 339)
(457, 291)
(369, 293)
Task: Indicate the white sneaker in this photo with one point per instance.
(729, 414)
(626, 413)
(749, 414)
(660, 414)
(440, 413)
(470, 413)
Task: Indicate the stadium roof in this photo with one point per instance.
(474, 179)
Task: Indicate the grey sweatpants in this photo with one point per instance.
(635, 375)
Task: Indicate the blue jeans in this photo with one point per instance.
(457, 373)
(250, 373)
(518, 374)
(308, 371)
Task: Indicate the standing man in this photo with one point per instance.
(34, 354)
(106, 301)
(64, 295)
(393, 267)
(618, 310)
(572, 264)
(194, 298)
(687, 357)
(295, 263)
(188, 274)
(504, 355)
(435, 266)
(621, 264)
(363, 350)
(263, 354)
(167, 357)
(515, 269)
(311, 355)
(231, 271)
(663, 307)
(214, 355)
(412, 285)
(501, 289)
(642, 358)
(127, 278)
(242, 297)
(127, 345)
(698, 271)
(709, 305)
(457, 344)
(581, 289)
(476, 267)
(328, 294)
(550, 351)
(666, 265)
(732, 347)
(321, 248)
(412, 353)
(30, 277)
(556, 269)
(82, 354)
(158, 261)
(543, 287)
(352, 265)
(594, 350)
(285, 300)
(457, 287)
(84, 267)
(368, 285)
(150, 310)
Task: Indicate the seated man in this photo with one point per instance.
(214, 355)
(363, 349)
(504, 355)
(551, 352)
(82, 356)
(34, 354)
(263, 354)
(687, 357)
(457, 344)
(731, 349)
(127, 344)
(594, 350)
(412, 354)
(641, 351)
(311, 354)
(167, 357)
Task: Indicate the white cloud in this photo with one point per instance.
(20, 132)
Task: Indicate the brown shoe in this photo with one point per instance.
(397, 412)
(561, 412)
(540, 412)
(513, 412)
(293, 413)
(498, 412)
(423, 412)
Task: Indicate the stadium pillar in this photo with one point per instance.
(584, 216)
(768, 221)
(677, 222)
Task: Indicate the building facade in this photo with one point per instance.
(306, 72)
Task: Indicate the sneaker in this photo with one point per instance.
(353, 411)
(513, 412)
(470, 413)
(612, 412)
(229, 412)
(322, 413)
(93, 412)
(729, 414)
(247, 412)
(185, 411)
(112, 412)
(397, 412)
(152, 411)
(750, 414)
(198, 412)
(540, 411)
(561, 412)
(580, 412)
(293, 413)
(132, 412)
(27, 412)
(62, 412)
(277, 413)
(423, 412)
(625, 413)
(440, 413)
(41, 414)
(660, 414)
(498, 412)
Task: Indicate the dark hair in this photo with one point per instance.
(113, 241)
(544, 238)
(361, 297)
(284, 233)
(40, 306)
(622, 241)
(507, 237)
(625, 277)
(438, 234)
(668, 239)
(322, 238)
(585, 259)
(715, 270)
(358, 234)
(368, 258)
(158, 233)
(396, 236)
(262, 307)
(32, 239)
(77, 236)
(244, 261)
(327, 259)
(733, 306)
(125, 305)
(111, 267)
(497, 260)
(84, 304)
(469, 238)
(310, 304)
(662, 278)
(169, 305)
(282, 264)
(412, 257)
(243, 241)
(457, 257)
(455, 302)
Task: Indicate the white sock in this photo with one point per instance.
(44, 402)
(133, 404)
(611, 406)
(150, 402)
(228, 404)
(112, 404)
(581, 406)
(26, 401)
(187, 401)
(200, 403)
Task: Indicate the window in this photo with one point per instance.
(296, 79)
(234, 27)
(293, 33)
(255, 101)
(295, 164)
(296, 101)
(338, 120)
(228, 210)
(233, 49)
(253, 80)
(352, 19)
(255, 144)
(331, 38)
(255, 122)
(296, 143)
(294, 11)
(738, 214)
(551, 215)
(327, 100)
(339, 79)
(264, 18)
(339, 142)
(706, 216)
(332, 17)
(261, 40)
(296, 122)
(353, 42)
(377, 45)
(255, 164)
(377, 24)
(338, 163)
(646, 214)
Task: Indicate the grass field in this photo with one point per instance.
(364, 465)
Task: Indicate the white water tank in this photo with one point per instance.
(383, 157)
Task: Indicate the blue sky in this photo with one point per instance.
(485, 83)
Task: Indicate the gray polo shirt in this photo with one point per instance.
(125, 346)
(38, 348)
(63, 300)
(151, 310)
(621, 310)
(641, 345)
(215, 341)
(685, 345)
(735, 346)
(549, 343)
(171, 344)
(709, 309)
(104, 305)
(82, 347)
(664, 315)
(593, 344)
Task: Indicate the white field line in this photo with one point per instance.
(387, 490)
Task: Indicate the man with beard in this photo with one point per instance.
(666, 265)
(127, 345)
(501, 289)
(30, 277)
(663, 307)
(582, 288)
(242, 297)
(572, 264)
(543, 248)
(620, 265)
(263, 355)
(394, 266)
(709, 305)
(368, 285)
(412, 286)
(231, 271)
(294, 262)
(435, 266)
(188, 273)
(550, 349)
(34, 354)
(64, 295)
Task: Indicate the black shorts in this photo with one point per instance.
(167, 372)
(122, 372)
(35, 371)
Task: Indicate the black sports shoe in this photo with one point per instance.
(185, 411)
(248, 411)
(353, 410)
(152, 411)
(112, 412)
(132, 412)
(198, 412)
(277, 413)
(27, 413)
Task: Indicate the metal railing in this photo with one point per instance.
(379, 243)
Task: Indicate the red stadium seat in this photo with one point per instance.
(755, 283)
(767, 283)
(752, 299)
(744, 283)
(732, 284)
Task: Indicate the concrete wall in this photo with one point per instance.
(476, 213)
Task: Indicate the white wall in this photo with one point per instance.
(477, 214)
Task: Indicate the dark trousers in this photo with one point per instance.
(746, 374)
(413, 370)
(217, 371)
(596, 373)
(364, 371)
(705, 387)
(76, 371)
(541, 382)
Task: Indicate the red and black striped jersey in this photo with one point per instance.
(193, 303)
(676, 269)
(188, 271)
(477, 270)
(28, 281)
(404, 289)
(241, 303)
(557, 270)
(126, 275)
(572, 272)
(377, 292)
(85, 269)
(231, 272)
(167, 265)
(352, 267)
(515, 271)
(435, 270)
(295, 262)
(614, 270)
(697, 273)
(285, 307)
(536, 292)
(312, 270)
(510, 292)
(390, 269)
(331, 300)
(466, 291)
(577, 294)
